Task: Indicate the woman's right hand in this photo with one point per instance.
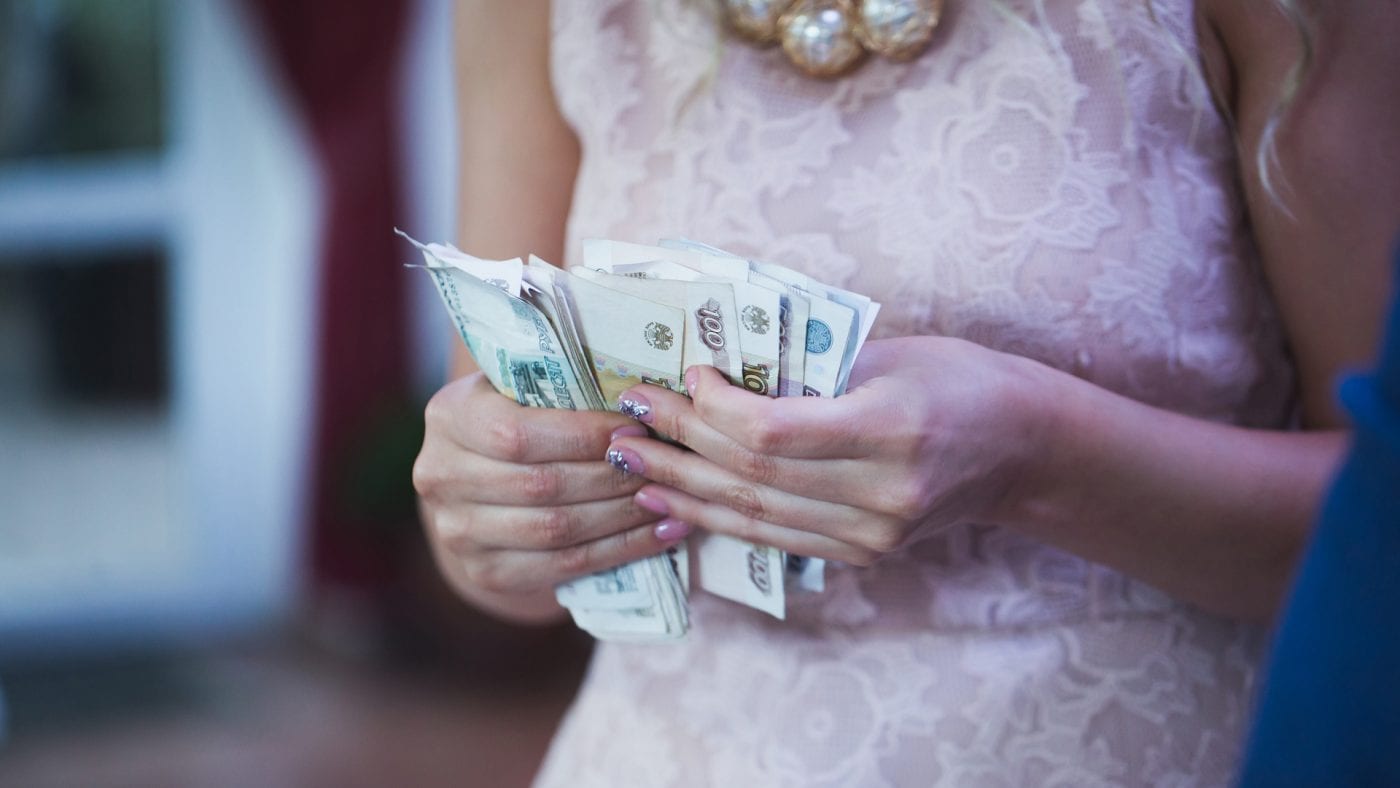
(517, 500)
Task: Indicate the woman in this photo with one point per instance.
(1080, 455)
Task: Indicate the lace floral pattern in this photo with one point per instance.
(1049, 180)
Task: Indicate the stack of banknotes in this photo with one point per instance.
(633, 314)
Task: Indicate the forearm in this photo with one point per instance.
(1210, 513)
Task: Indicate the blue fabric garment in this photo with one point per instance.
(1329, 713)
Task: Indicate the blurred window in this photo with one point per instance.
(80, 77)
(87, 454)
(158, 219)
(84, 331)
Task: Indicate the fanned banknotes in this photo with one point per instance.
(644, 314)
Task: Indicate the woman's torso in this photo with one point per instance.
(1049, 179)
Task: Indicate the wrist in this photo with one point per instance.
(1041, 404)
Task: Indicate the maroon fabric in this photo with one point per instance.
(340, 59)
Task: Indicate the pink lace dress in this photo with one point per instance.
(1049, 179)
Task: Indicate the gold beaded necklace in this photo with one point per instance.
(828, 38)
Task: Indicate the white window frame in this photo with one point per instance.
(234, 201)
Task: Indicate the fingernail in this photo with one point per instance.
(671, 530)
(625, 460)
(652, 503)
(691, 378)
(630, 431)
(635, 406)
(616, 460)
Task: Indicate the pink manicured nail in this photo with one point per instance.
(630, 431)
(652, 503)
(692, 377)
(635, 406)
(625, 460)
(671, 530)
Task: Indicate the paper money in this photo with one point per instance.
(825, 340)
(864, 308)
(628, 340)
(756, 307)
(623, 588)
(839, 322)
(515, 346)
(710, 328)
(643, 314)
(793, 309)
(743, 572)
(502, 274)
(666, 618)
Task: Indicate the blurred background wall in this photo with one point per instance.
(212, 368)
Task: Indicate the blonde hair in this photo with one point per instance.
(1266, 159)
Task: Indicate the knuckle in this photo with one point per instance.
(458, 544)
(911, 500)
(615, 484)
(676, 428)
(428, 476)
(444, 418)
(745, 499)
(471, 566)
(768, 435)
(666, 473)
(453, 534)
(573, 561)
(441, 526)
(747, 530)
(917, 442)
(507, 439)
(554, 528)
(884, 538)
(582, 434)
(757, 467)
(863, 558)
(708, 411)
(577, 443)
(542, 483)
(630, 541)
(434, 411)
(489, 576)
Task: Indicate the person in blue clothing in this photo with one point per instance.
(1330, 710)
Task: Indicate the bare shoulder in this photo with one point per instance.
(1326, 227)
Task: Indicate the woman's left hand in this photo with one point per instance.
(932, 431)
